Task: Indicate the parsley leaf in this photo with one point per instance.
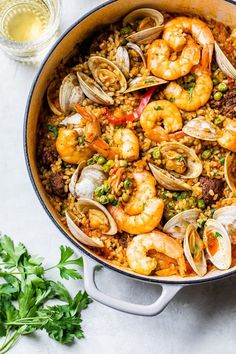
(158, 108)
(171, 99)
(24, 295)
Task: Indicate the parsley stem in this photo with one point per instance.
(10, 342)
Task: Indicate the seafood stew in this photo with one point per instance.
(137, 142)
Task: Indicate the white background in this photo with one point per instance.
(200, 320)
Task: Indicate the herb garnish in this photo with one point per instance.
(24, 292)
(53, 129)
(158, 108)
(172, 99)
(217, 234)
(149, 81)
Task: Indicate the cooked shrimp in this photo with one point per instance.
(145, 189)
(188, 100)
(68, 147)
(125, 141)
(127, 144)
(158, 59)
(228, 135)
(157, 112)
(144, 211)
(137, 250)
(175, 34)
(146, 221)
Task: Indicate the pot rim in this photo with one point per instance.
(40, 198)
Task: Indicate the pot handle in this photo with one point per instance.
(167, 294)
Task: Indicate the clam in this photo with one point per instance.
(224, 63)
(92, 90)
(201, 129)
(230, 171)
(122, 60)
(217, 243)
(90, 178)
(150, 25)
(106, 73)
(138, 50)
(181, 161)
(227, 217)
(99, 219)
(166, 180)
(143, 82)
(193, 250)
(177, 225)
(52, 97)
(70, 93)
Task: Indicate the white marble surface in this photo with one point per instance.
(200, 320)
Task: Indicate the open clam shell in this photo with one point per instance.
(122, 60)
(217, 243)
(227, 217)
(177, 225)
(166, 180)
(52, 98)
(224, 63)
(84, 205)
(90, 178)
(70, 93)
(179, 156)
(106, 73)
(143, 82)
(202, 129)
(193, 250)
(92, 90)
(230, 171)
(143, 16)
(138, 50)
(80, 235)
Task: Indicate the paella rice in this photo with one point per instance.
(141, 121)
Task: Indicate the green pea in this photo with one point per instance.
(111, 197)
(103, 199)
(182, 195)
(206, 154)
(156, 154)
(222, 87)
(215, 81)
(192, 201)
(99, 191)
(222, 160)
(110, 163)
(101, 160)
(104, 137)
(217, 120)
(127, 183)
(123, 163)
(106, 186)
(175, 195)
(217, 96)
(90, 161)
(106, 168)
(125, 197)
(201, 204)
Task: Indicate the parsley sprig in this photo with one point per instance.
(25, 292)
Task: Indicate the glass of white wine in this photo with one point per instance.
(28, 28)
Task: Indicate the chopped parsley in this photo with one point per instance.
(191, 93)
(149, 81)
(180, 158)
(53, 129)
(158, 108)
(125, 30)
(217, 234)
(172, 99)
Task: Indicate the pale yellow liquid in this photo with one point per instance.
(26, 22)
